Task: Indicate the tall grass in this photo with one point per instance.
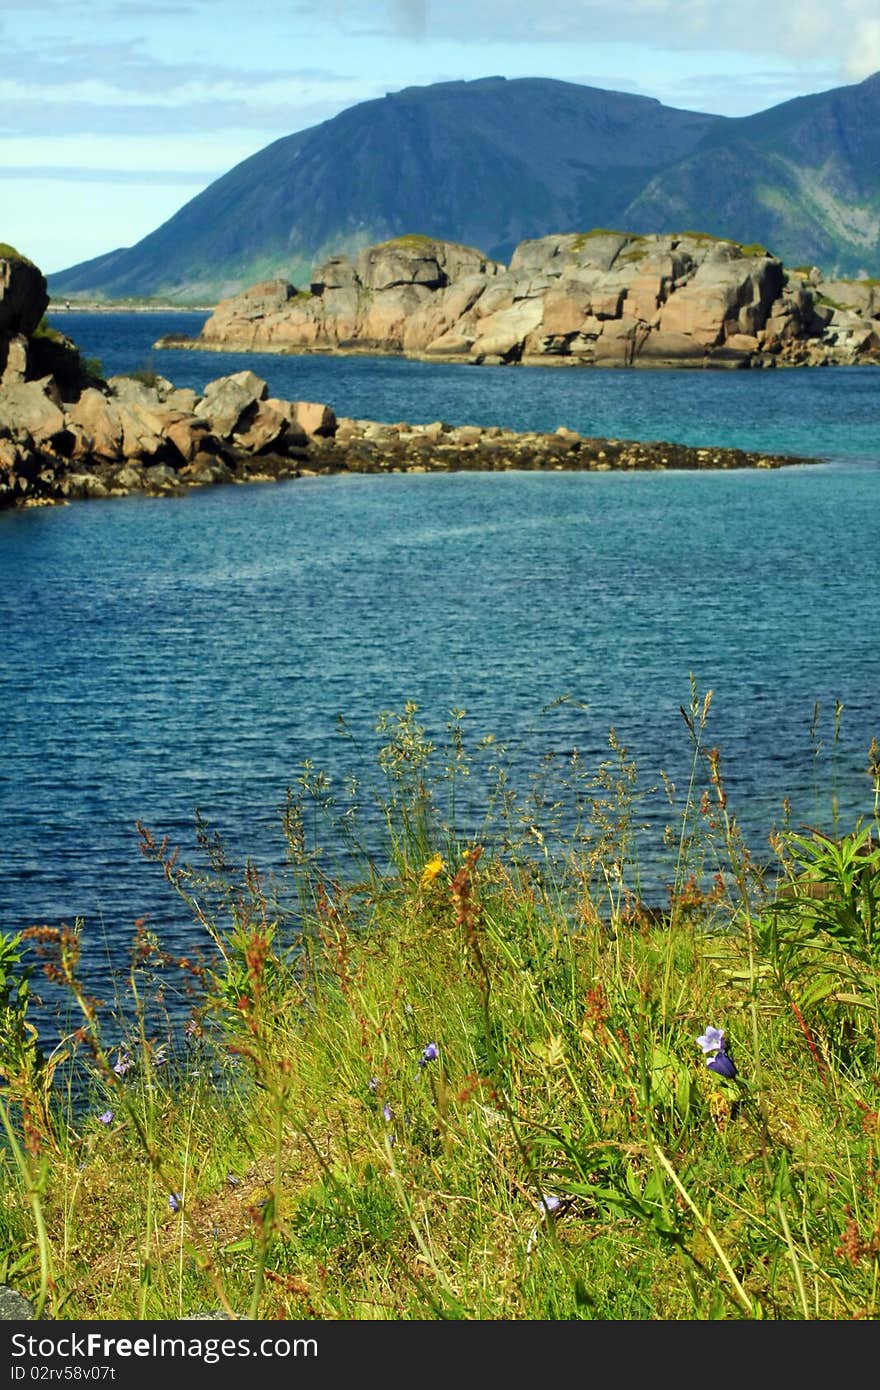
(462, 1078)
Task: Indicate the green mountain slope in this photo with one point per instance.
(803, 178)
(492, 162)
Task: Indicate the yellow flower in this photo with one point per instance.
(434, 866)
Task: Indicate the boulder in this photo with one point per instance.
(269, 427)
(419, 260)
(14, 1307)
(503, 334)
(228, 398)
(13, 359)
(31, 410)
(96, 423)
(861, 295)
(314, 419)
(189, 434)
(23, 294)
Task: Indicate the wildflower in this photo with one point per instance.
(373, 1083)
(386, 1111)
(174, 1201)
(106, 1118)
(432, 869)
(722, 1063)
(430, 1054)
(712, 1040)
(122, 1064)
(160, 1056)
(548, 1206)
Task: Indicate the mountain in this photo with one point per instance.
(492, 162)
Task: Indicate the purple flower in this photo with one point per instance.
(386, 1111)
(122, 1064)
(106, 1118)
(430, 1054)
(174, 1201)
(548, 1204)
(721, 1063)
(712, 1040)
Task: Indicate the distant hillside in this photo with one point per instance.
(492, 162)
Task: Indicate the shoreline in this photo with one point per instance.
(93, 307)
(180, 342)
(363, 446)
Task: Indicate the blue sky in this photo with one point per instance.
(114, 113)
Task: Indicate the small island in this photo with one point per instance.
(592, 299)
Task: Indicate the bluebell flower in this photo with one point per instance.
(386, 1111)
(122, 1064)
(430, 1054)
(174, 1201)
(373, 1083)
(722, 1063)
(712, 1040)
(106, 1118)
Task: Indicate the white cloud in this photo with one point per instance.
(865, 59)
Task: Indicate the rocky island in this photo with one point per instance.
(600, 298)
(65, 433)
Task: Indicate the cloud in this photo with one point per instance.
(69, 173)
(843, 36)
(411, 18)
(866, 56)
(125, 66)
(192, 116)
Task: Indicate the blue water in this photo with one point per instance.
(166, 656)
(823, 412)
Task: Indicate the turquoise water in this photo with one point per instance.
(824, 412)
(166, 656)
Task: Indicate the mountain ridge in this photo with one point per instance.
(494, 161)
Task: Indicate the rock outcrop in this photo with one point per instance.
(148, 437)
(23, 302)
(73, 435)
(66, 433)
(595, 299)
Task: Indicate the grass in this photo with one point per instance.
(461, 1079)
(9, 253)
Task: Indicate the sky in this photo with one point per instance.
(115, 113)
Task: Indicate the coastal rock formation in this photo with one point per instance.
(595, 299)
(148, 437)
(66, 433)
(69, 434)
(23, 302)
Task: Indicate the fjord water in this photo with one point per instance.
(166, 656)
